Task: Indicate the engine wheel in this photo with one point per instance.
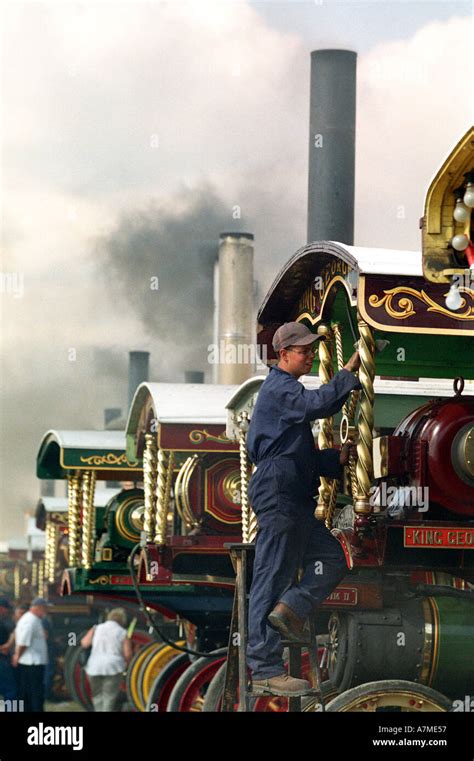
(133, 670)
(163, 684)
(390, 695)
(189, 691)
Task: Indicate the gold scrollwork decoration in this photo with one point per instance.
(100, 580)
(109, 459)
(197, 437)
(405, 304)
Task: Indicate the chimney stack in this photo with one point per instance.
(111, 413)
(236, 343)
(193, 376)
(332, 146)
(137, 372)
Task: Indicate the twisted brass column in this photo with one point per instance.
(74, 519)
(150, 459)
(47, 547)
(325, 436)
(88, 518)
(333, 484)
(336, 329)
(249, 519)
(253, 526)
(351, 431)
(365, 423)
(54, 551)
(51, 545)
(163, 488)
(41, 578)
(34, 574)
(17, 582)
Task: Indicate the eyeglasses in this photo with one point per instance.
(304, 352)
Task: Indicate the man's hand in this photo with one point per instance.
(346, 450)
(15, 658)
(353, 363)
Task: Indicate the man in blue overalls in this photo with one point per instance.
(282, 493)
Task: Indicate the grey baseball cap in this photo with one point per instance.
(293, 334)
(39, 601)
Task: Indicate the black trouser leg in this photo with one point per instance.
(31, 690)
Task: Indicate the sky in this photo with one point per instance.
(131, 132)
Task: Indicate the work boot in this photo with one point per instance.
(287, 623)
(283, 684)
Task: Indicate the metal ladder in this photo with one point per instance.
(236, 678)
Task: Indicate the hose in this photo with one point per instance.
(147, 615)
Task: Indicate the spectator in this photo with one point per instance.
(31, 655)
(8, 680)
(111, 652)
(20, 609)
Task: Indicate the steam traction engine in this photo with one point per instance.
(399, 629)
(88, 539)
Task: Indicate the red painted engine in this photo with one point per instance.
(434, 447)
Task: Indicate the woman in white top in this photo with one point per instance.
(111, 652)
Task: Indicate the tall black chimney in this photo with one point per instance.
(137, 372)
(332, 146)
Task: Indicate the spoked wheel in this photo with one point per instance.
(163, 684)
(150, 667)
(190, 689)
(133, 670)
(390, 695)
(76, 678)
(272, 703)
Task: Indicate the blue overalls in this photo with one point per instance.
(282, 492)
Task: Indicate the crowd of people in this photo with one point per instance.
(25, 660)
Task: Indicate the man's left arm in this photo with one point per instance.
(329, 462)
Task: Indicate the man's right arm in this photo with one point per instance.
(19, 650)
(329, 397)
(23, 634)
(353, 363)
